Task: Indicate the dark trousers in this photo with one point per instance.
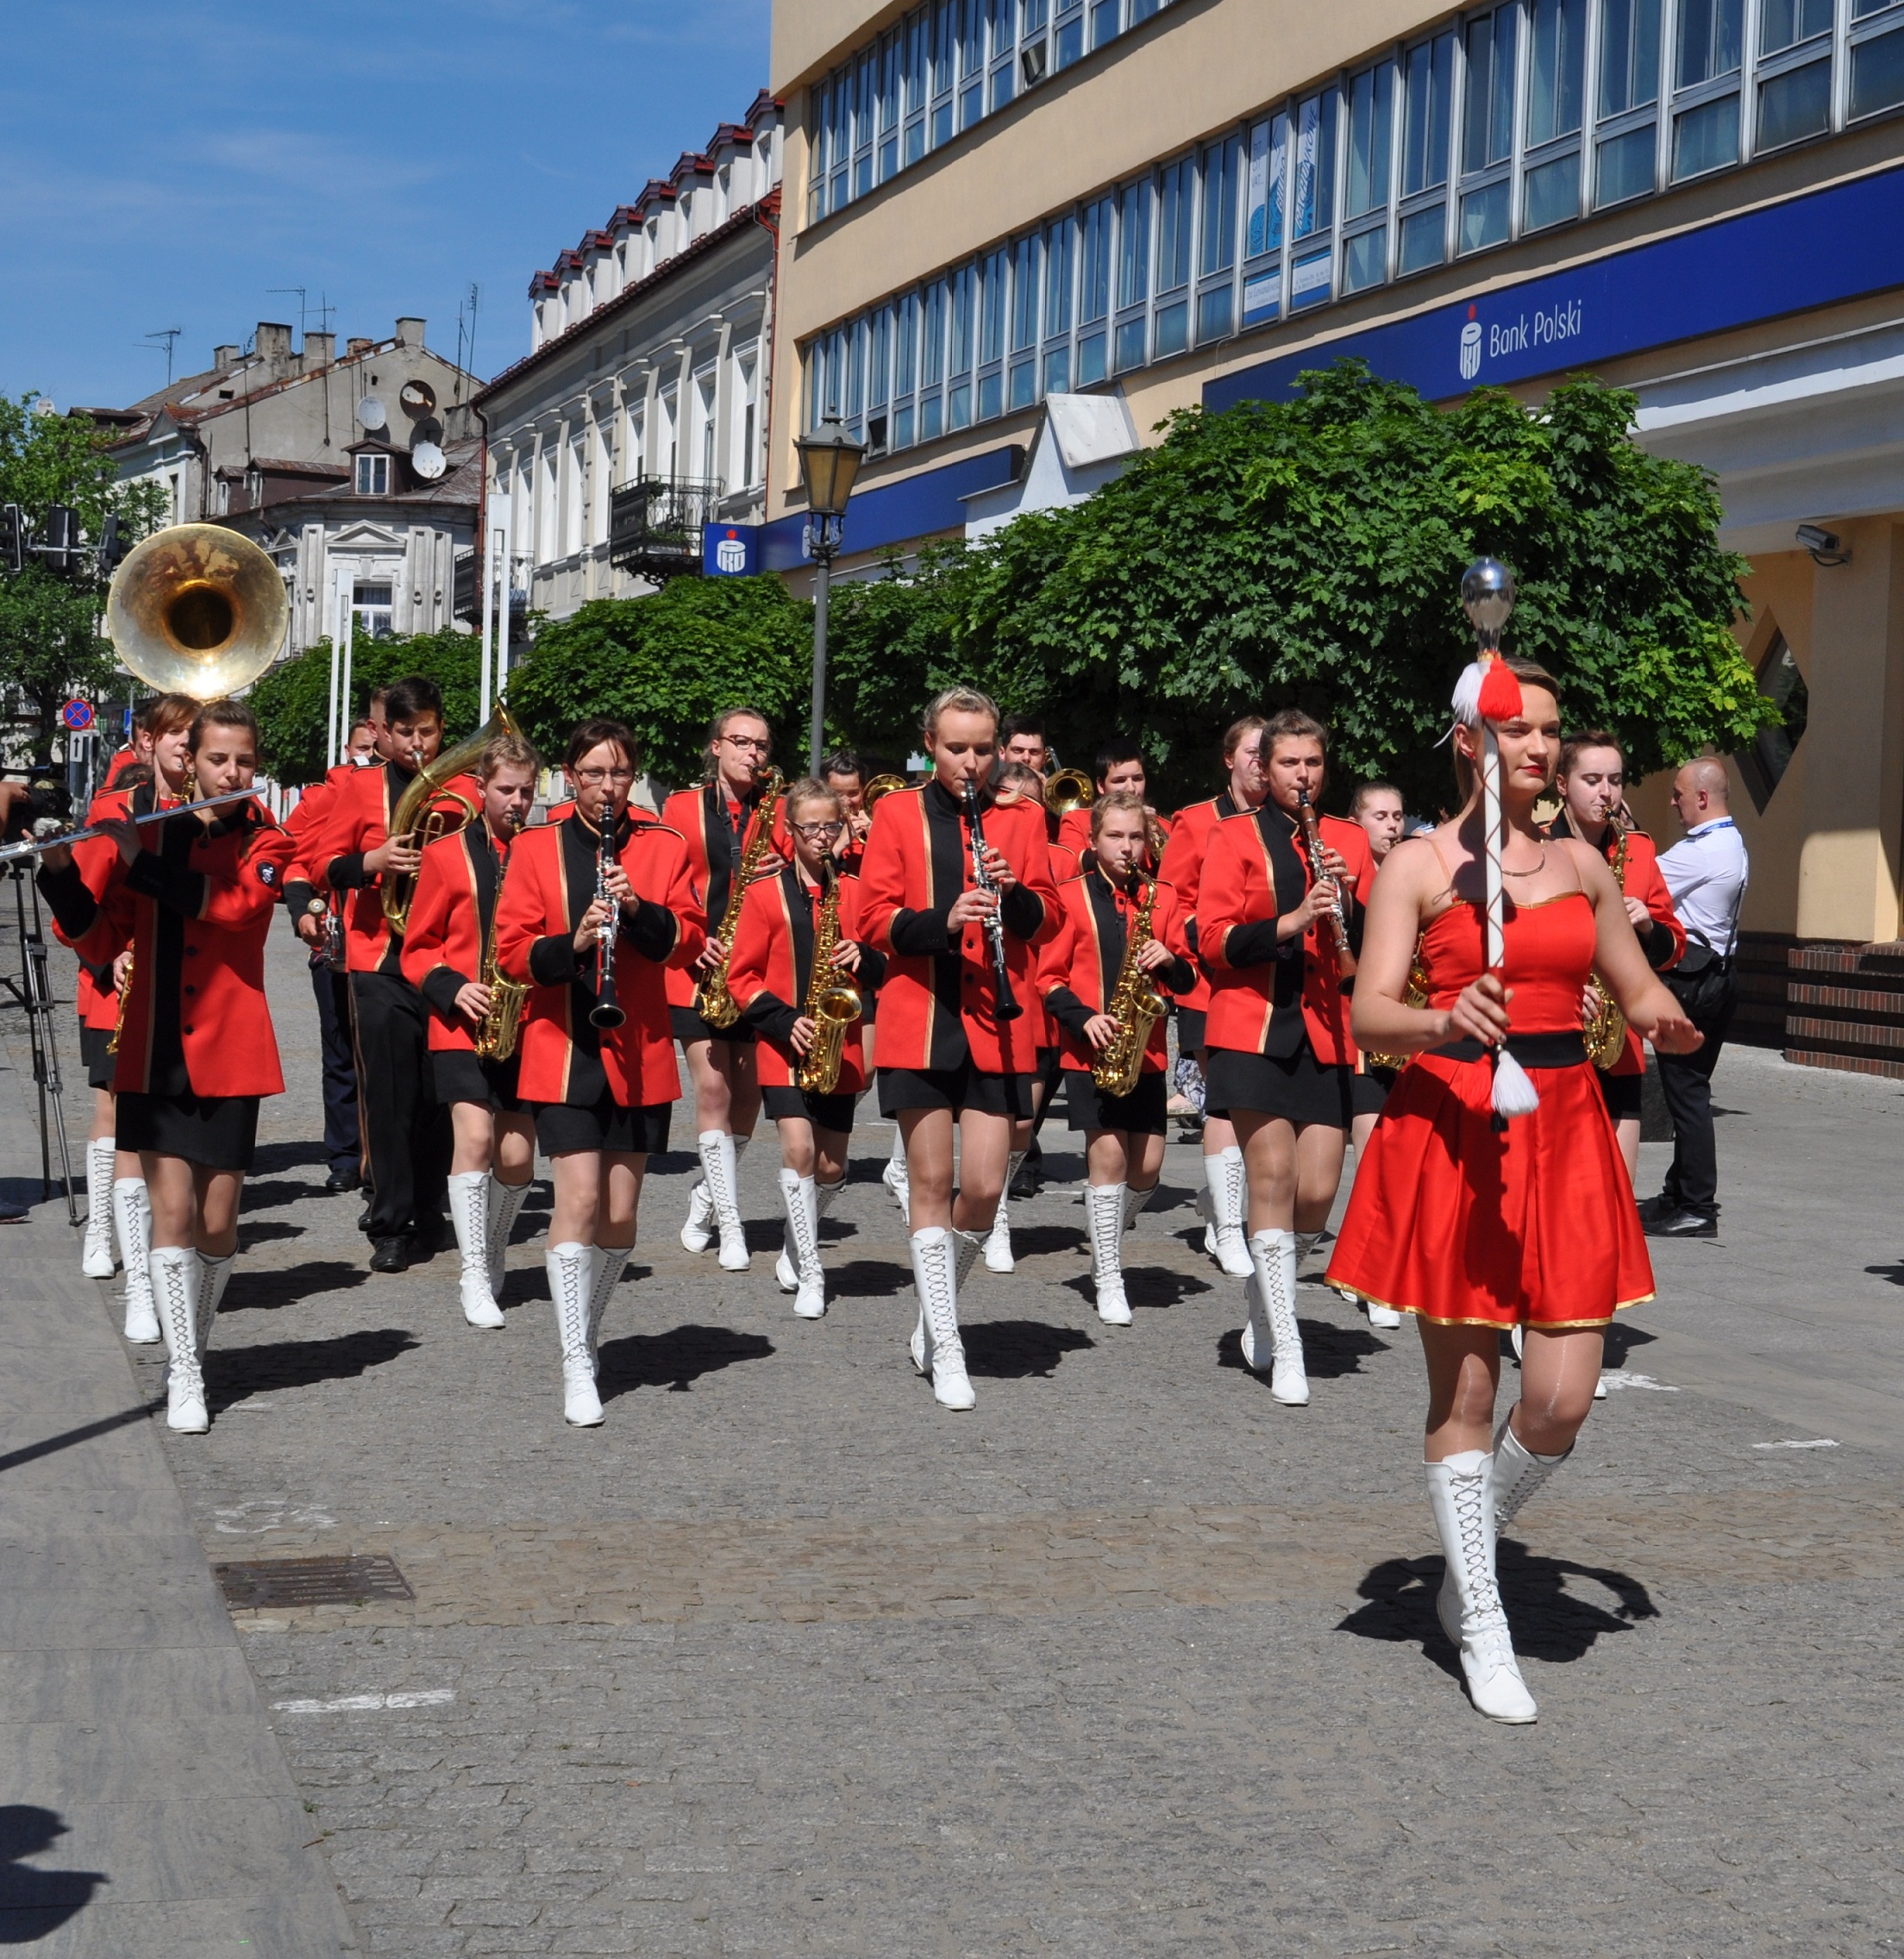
(1692, 1183)
(407, 1127)
(333, 1019)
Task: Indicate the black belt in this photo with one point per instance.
(1562, 1050)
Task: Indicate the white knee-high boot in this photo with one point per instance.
(895, 1176)
(177, 1282)
(469, 1208)
(607, 1267)
(570, 1268)
(1271, 1338)
(132, 1216)
(506, 1201)
(1136, 1203)
(801, 1198)
(1460, 1491)
(95, 1255)
(936, 1347)
(214, 1274)
(998, 1246)
(1227, 1191)
(1104, 1207)
(715, 1205)
(1518, 1472)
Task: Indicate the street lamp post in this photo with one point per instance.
(829, 462)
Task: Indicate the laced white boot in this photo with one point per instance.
(724, 1189)
(933, 1273)
(1518, 1472)
(698, 1233)
(895, 1176)
(606, 1266)
(1136, 1203)
(1104, 1206)
(1460, 1491)
(786, 1273)
(801, 1199)
(214, 1274)
(1228, 1187)
(1271, 1338)
(469, 1209)
(506, 1201)
(1307, 1242)
(571, 1270)
(177, 1282)
(132, 1217)
(95, 1255)
(998, 1245)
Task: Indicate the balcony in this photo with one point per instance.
(655, 524)
(467, 597)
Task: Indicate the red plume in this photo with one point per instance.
(1500, 692)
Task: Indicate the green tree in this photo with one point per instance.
(292, 701)
(50, 643)
(666, 662)
(1309, 552)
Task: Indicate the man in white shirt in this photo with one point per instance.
(1706, 872)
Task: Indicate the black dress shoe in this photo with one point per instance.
(391, 1254)
(426, 1240)
(363, 1218)
(339, 1181)
(1680, 1224)
(1029, 1182)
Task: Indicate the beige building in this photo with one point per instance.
(1019, 232)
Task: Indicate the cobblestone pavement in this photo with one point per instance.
(1131, 1660)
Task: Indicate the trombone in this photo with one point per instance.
(1070, 789)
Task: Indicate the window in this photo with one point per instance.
(944, 63)
(1706, 135)
(1794, 92)
(971, 62)
(992, 292)
(1217, 239)
(879, 362)
(1877, 56)
(1133, 274)
(1425, 117)
(372, 612)
(1487, 129)
(373, 476)
(1022, 388)
(1556, 77)
(1313, 201)
(1060, 259)
(1093, 291)
(906, 355)
(892, 57)
(1176, 210)
(932, 364)
(1263, 226)
(1764, 765)
(1365, 193)
(1623, 163)
(1069, 39)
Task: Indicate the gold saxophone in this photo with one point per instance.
(1136, 1005)
(1414, 994)
(712, 1000)
(833, 1002)
(498, 1031)
(1603, 1026)
(119, 1025)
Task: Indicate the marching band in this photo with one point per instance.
(515, 985)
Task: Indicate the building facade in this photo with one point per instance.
(1007, 205)
(640, 411)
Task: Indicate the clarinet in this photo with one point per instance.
(1339, 921)
(607, 1009)
(1005, 1002)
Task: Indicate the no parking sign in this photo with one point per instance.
(77, 716)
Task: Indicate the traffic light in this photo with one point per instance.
(58, 546)
(13, 539)
(113, 545)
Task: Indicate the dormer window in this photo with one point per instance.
(372, 476)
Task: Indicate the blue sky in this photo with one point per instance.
(164, 163)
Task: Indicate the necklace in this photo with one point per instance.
(1532, 870)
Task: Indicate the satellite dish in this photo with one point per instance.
(428, 461)
(371, 413)
(430, 429)
(418, 398)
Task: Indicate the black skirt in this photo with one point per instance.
(217, 1132)
(100, 1066)
(603, 1125)
(1143, 1112)
(1623, 1094)
(823, 1111)
(1368, 1094)
(686, 1025)
(463, 1076)
(957, 1089)
(1298, 1089)
(1191, 1024)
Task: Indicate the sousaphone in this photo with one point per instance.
(197, 609)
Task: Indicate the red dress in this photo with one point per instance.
(1471, 1226)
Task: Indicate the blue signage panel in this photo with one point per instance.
(899, 513)
(1813, 251)
(730, 550)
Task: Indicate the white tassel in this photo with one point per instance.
(1468, 695)
(1514, 1093)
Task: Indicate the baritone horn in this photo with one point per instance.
(197, 609)
(433, 810)
(879, 786)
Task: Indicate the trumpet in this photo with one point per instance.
(1070, 789)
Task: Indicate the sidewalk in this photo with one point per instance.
(145, 1803)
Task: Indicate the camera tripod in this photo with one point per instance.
(33, 992)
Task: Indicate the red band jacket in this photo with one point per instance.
(1190, 830)
(1265, 993)
(195, 905)
(772, 969)
(937, 1000)
(357, 822)
(714, 830)
(450, 917)
(551, 884)
(95, 999)
(1071, 852)
(1078, 969)
(1664, 940)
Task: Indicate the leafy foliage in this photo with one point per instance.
(293, 699)
(50, 642)
(1310, 554)
(667, 662)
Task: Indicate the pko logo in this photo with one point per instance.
(1470, 346)
(730, 555)
(1525, 333)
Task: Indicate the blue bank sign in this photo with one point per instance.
(1811, 251)
(730, 550)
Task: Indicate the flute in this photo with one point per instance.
(1005, 1002)
(1338, 920)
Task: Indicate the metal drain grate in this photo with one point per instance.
(311, 1581)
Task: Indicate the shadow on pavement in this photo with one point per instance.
(34, 1904)
(270, 1196)
(675, 1360)
(263, 1289)
(271, 1156)
(1150, 1288)
(1328, 1352)
(237, 1373)
(52, 1444)
(868, 1278)
(1035, 1241)
(1011, 1350)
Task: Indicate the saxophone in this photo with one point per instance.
(499, 1029)
(833, 1003)
(1603, 1026)
(1414, 994)
(1134, 1005)
(712, 1000)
